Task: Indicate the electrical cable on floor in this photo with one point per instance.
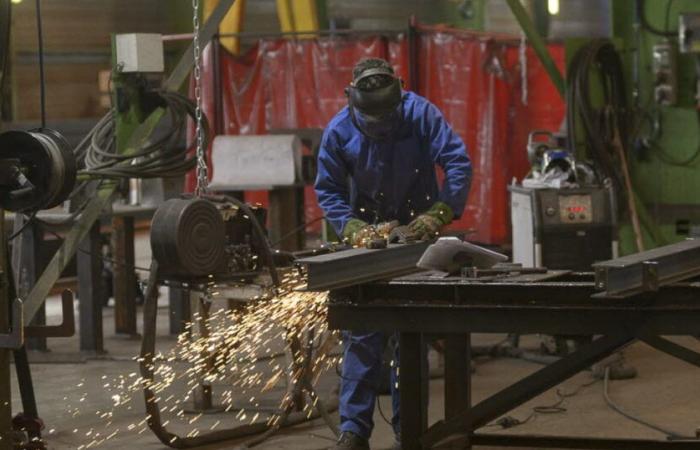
(555, 408)
(670, 435)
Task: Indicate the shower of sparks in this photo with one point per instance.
(237, 351)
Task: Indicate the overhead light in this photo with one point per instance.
(16, 1)
(553, 7)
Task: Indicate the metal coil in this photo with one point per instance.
(188, 238)
(47, 162)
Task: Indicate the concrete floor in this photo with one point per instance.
(665, 393)
(73, 398)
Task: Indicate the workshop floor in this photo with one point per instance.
(74, 400)
(664, 393)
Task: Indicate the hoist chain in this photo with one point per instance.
(202, 170)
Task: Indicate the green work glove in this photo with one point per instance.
(429, 224)
(357, 232)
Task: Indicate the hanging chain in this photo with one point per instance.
(202, 171)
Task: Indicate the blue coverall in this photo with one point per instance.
(379, 180)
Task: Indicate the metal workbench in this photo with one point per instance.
(420, 306)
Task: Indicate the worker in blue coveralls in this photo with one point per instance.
(376, 166)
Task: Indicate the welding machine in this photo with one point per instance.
(563, 228)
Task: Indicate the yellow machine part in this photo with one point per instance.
(298, 15)
(232, 23)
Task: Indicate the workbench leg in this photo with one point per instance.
(286, 214)
(413, 386)
(458, 380)
(124, 279)
(179, 305)
(27, 263)
(26, 390)
(89, 258)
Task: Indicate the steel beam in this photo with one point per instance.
(647, 271)
(525, 389)
(511, 440)
(5, 382)
(90, 292)
(124, 276)
(104, 195)
(27, 258)
(673, 349)
(361, 265)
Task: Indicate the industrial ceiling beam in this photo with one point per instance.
(538, 44)
(106, 191)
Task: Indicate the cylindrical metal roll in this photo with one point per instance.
(188, 238)
(48, 164)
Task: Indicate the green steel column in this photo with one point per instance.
(538, 44)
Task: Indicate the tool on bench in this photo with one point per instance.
(451, 254)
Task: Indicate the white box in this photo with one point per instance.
(140, 52)
(255, 162)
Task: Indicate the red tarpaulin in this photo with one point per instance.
(474, 80)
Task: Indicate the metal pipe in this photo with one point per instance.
(279, 34)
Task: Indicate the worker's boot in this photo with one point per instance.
(351, 441)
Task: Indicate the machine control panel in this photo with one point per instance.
(575, 209)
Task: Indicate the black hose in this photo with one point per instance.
(159, 159)
(602, 124)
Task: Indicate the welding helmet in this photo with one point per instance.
(374, 100)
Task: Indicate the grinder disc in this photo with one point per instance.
(188, 237)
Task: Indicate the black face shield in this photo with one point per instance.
(377, 105)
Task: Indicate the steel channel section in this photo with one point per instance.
(361, 265)
(647, 271)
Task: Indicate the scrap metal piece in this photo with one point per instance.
(361, 265)
(647, 271)
(65, 329)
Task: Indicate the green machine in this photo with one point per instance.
(633, 103)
